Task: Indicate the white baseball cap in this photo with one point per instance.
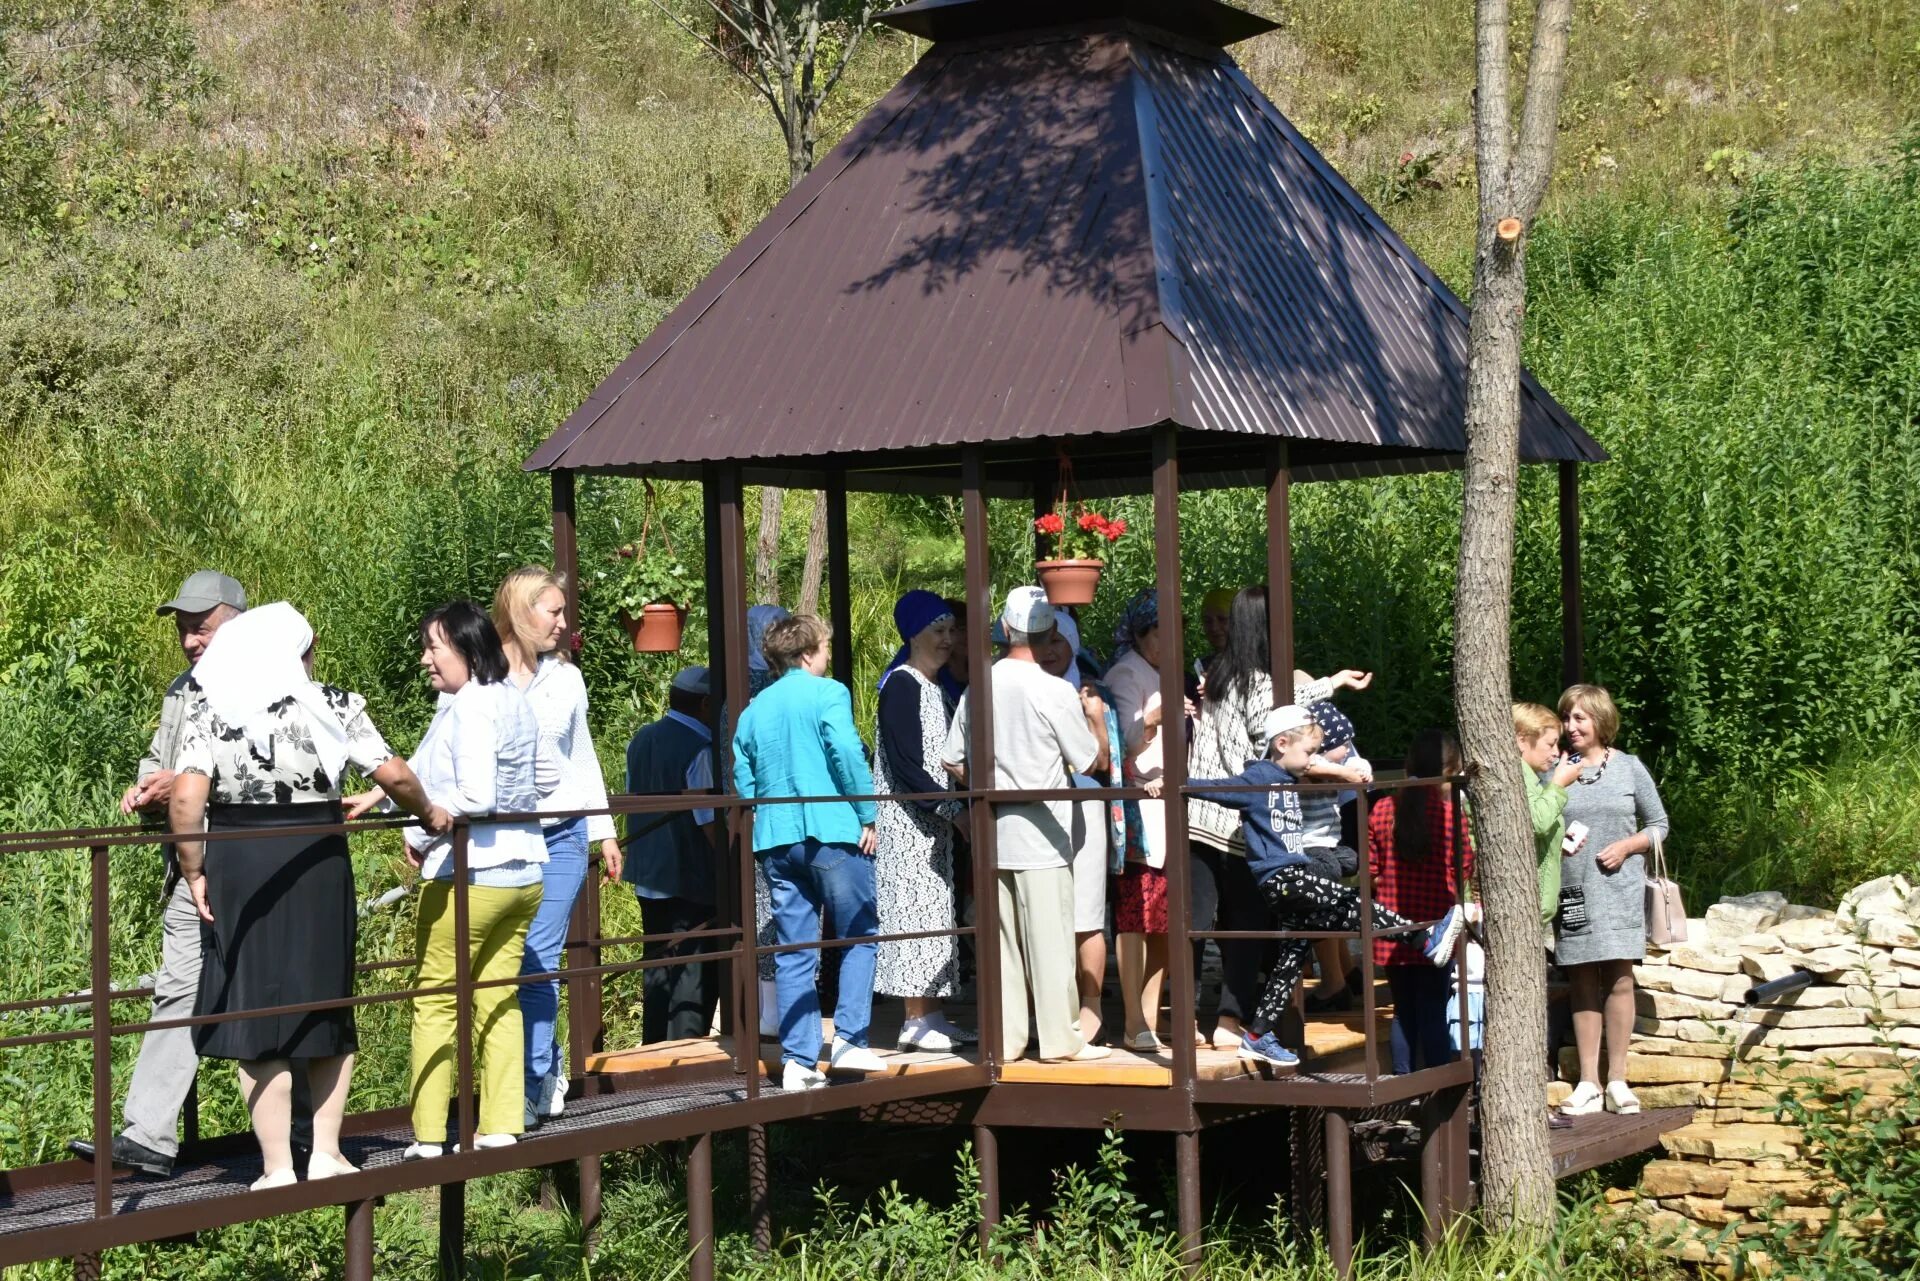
(1028, 610)
(1283, 720)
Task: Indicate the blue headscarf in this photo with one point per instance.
(1142, 614)
(912, 614)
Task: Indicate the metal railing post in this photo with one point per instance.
(1368, 1007)
(102, 1009)
(463, 986)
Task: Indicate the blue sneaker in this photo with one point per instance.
(1266, 1049)
(1443, 934)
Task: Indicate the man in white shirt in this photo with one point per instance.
(1042, 733)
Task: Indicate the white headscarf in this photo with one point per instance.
(1070, 632)
(254, 661)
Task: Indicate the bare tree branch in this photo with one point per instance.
(760, 84)
(1492, 105)
(1540, 114)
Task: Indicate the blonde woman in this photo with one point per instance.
(530, 613)
(1615, 813)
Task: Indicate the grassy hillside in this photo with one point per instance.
(293, 288)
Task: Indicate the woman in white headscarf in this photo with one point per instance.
(264, 748)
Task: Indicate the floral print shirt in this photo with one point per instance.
(290, 772)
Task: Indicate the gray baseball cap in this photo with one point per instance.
(692, 680)
(204, 589)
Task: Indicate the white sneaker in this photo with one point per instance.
(483, 1142)
(556, 1101)
(854, 1058)
(953, 1031)
(798, 1076)
(278, 1179)
(1621, 1100)
(922, 1034)
(423, 1151)
(1585, 1100)
(1085, 1054)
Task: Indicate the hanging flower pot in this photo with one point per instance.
(1073, 575)
(1070, 582)
(657, 628)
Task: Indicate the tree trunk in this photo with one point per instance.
(1517, 1175)
(766, 548)
(1517, 1187)
(816, 559)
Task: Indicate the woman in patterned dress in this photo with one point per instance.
(266, 748)
(913, 866)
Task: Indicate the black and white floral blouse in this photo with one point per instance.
(290, 770)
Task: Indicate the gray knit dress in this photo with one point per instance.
(1615, 802)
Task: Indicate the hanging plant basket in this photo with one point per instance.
(1070, 582)
(657, 629)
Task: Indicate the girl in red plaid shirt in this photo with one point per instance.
(1411, 843)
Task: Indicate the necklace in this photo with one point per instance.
(1597, 774)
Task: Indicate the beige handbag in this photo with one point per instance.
(1666, 914)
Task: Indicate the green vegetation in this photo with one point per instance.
(292, 289)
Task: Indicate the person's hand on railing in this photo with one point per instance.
(357, 805)
(437, 821)
(1153, 786)
(612, 860)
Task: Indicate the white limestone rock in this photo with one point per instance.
(1730, 918)
(1891, 931)
(1808, 933)
(1704, 956)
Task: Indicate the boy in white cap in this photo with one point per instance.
(1042, 733)
(1301, 898)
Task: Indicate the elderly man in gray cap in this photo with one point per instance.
(165, 1070)
(670, 859)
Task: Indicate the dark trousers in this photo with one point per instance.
(1225, 897)
(679, 1000)
(1420, 1036)
(1303, 901)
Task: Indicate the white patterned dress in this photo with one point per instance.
(913, 865)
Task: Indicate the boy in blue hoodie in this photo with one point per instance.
(1301, 898)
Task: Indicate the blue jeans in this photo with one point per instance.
(805, 878)
(561, 878)
(1419, 1037)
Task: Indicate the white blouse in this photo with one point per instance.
(558, 696)
(481, 756)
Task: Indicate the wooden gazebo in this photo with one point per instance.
(1075, 229)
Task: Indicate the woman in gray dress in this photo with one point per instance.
(1601, 927)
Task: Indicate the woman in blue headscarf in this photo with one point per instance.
(913, 864)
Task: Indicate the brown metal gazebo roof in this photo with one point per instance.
(1050, 232)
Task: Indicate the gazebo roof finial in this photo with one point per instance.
(1206, 21)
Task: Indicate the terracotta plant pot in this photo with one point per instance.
(1070, 582)
(657, 630)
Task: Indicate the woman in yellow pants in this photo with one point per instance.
(479, 757)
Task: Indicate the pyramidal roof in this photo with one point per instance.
(1044, 233)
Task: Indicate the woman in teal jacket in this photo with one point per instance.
(797, 739)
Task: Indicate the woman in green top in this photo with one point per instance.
(1536, 731)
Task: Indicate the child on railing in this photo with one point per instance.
(1301, 899)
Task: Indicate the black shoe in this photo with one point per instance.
(1339, 1002)
(128, 1155)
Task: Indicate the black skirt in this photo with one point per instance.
(283, 933)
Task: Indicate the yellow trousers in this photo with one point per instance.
(497, 921)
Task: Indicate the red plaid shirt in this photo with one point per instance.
(1419, 891)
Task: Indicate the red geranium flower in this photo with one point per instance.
(1050, 523)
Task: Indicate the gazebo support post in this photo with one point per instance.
(586, 1030)
(1572, 639)
(1173, 733)
(986, 1157)
(839, 579)
(726, 895)
(1186, 1163)
(986, 877)
(1339, 1190)
(1280, 571)
(759, 1191)
(733, 608)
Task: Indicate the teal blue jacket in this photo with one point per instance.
(796, 738)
